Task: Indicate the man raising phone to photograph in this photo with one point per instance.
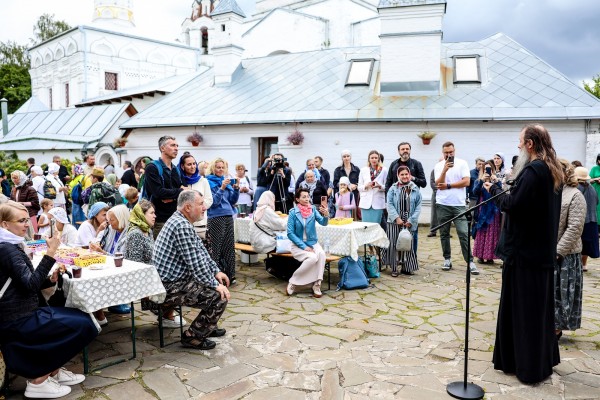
(452, 176)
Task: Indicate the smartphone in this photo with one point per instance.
(488, 170)
(233, 181)
(324, 201)
(52, 222)
(450, 159)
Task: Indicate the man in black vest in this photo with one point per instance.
(415, 167)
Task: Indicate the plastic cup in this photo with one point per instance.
(37, 236)
(118, 259)
(76, 272)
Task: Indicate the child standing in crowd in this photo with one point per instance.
(44, 221)
(344, 199)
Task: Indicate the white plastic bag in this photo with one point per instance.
(404, 241)
(284, 245)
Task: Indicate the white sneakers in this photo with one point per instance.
(317, 289)
(173, 323)
(54, 387)
(290, 289)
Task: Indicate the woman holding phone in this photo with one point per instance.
(488, 219)
(220, 217)
(191, 177)
(315, 187)
(371, 185)
(302, 231)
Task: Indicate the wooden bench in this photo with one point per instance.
(248, 249)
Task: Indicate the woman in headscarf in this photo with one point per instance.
(302, 232)
(488, 220)
(61, 190)
(36, 340)
(139, 245)
(190, 177)
(589, 236)
(595, 181)
(24, 193)
(404, 208)
(316, 187)
(220, 218)
(265, 223)
(96, 223)
(112, 180)
(568, 276)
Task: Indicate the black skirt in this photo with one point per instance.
(36, 345)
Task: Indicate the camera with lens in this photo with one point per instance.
(278, 163)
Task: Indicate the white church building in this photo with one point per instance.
(367, 78)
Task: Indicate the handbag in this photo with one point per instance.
(404, 241)
(372, 267)
(284, 245)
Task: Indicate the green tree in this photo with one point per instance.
(47, 27)
(15, 85)
(594, 87)
(13, 53)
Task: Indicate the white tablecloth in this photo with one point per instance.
(344, 240)
(97, 289)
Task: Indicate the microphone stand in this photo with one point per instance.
(458, 389)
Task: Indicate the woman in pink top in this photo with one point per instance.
(344, 199)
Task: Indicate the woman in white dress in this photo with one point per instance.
(265, 223)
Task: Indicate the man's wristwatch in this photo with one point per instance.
(448, 186)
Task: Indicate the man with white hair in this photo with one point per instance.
(189, 274)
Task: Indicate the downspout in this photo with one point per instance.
(4, 111)
(85, 70)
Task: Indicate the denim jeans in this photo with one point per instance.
(445, 213)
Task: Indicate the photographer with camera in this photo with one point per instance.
(278, 181)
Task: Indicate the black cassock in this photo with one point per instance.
(525, 340)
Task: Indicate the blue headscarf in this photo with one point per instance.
(217, 181)
(188, 179)
(96, 208)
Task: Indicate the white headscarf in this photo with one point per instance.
(53, 168)
(266, 200)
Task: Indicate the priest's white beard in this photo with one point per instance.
(523, 159)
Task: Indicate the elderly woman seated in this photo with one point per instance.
(36, 341)
(265, 223)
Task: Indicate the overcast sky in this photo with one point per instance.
(564, 33)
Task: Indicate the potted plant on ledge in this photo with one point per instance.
(426, 136)
(120, 142)
(296, 137)
(195, 139)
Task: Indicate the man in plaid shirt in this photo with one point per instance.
(190, 276)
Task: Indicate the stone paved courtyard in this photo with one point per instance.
(400, 339)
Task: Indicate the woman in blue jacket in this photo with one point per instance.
(302, 231)
(220, 229)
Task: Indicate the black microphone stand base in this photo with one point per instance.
(463, 390)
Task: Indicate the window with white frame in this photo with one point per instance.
(466, 69)
(359, 73)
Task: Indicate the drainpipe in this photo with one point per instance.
(4, 111)
(85, 72)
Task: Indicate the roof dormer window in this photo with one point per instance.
(359, 73)
(466, 69)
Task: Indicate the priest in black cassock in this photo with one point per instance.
(526, 344)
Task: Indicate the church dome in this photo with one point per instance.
(113, 14)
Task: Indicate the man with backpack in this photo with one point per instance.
(76, 186)
(162, 182)
(101, 191)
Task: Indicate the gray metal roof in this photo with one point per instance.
(309, 86)
(405, 3)
(226, 6)
(61, 129)
(32, 105)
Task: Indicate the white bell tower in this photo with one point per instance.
(113, 14)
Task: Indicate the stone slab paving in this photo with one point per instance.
(402, 338)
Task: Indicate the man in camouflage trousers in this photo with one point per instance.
(190, 276)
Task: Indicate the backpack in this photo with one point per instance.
(372, 267)
(158, 165)
(76, 194)
(352, 274)
(105, 193)
(49, 190)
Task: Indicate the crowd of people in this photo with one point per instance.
(178, 214)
